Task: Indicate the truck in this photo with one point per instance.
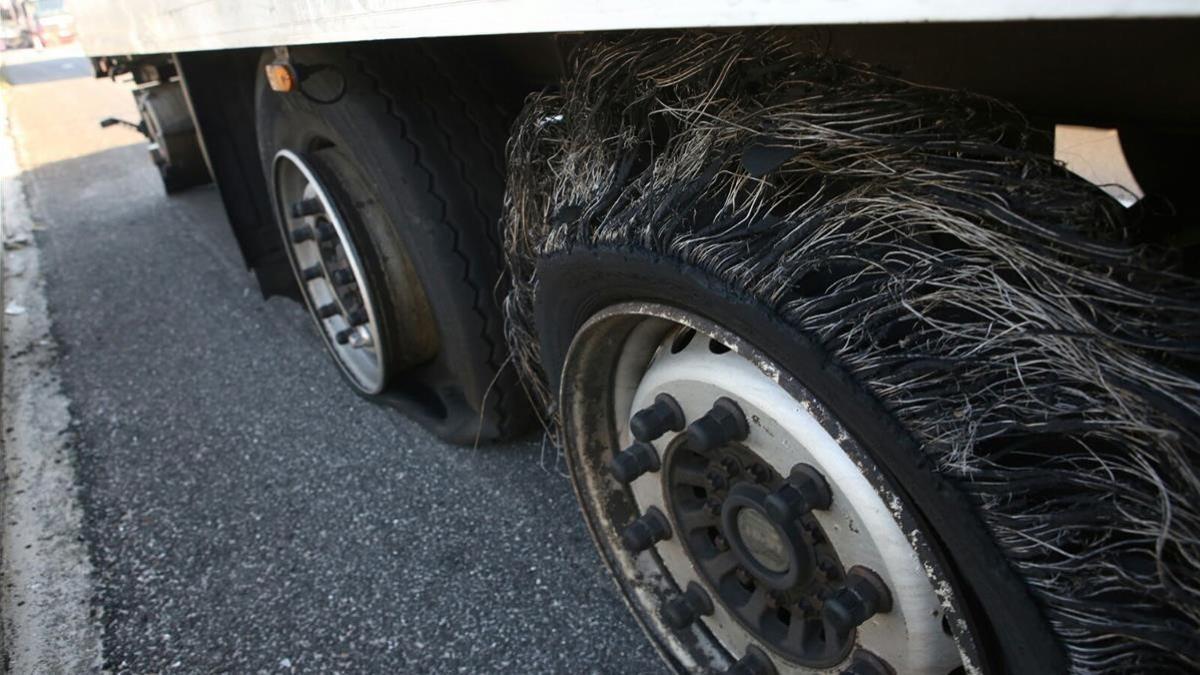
(851, 372)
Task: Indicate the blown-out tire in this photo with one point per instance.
(413, 178)
(998, 625)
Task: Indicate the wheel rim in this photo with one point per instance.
(329, 271)
(157, 146)
(736, 577)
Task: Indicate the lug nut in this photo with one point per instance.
(680, 611)
(327, 310)
(657, 419)
(862, 596)
(716, 480)
(342, 276)
(646, 531)
(310, 273)
(361, 338)
(755, 662)
(357, 317)
(343, 336)
(325, 230)
(866, 663)
(804, 491)
(632, 462)
(720, 425)
(301, 234)
(307, 207)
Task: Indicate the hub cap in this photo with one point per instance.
(329, 271)
(784, 523)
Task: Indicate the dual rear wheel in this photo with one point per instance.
(391, 239)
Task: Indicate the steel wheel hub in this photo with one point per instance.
(743, 521)
(329, 271)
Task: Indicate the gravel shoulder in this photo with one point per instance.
(49, 623)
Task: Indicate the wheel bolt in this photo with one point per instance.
(680, 611)
(866, 663)
(716, 479)
(328, 310)
(731, 465)
(723, 423)
(862, 596)
(357, 317)
(804, 491)
(301, 234)
(755, 662)
(646, 531)
(657, 419)
(307, 207)
(342, 276)
(310, 273)
(759, 473)
(743, 576)
(343, 336)
(634, 461)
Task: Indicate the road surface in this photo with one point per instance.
(242, 510)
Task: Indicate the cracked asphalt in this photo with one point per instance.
(244, 511)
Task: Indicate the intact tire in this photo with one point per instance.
(1009, 631)
(414, 168)
(175, 147)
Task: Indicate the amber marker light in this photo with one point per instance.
(281, 77)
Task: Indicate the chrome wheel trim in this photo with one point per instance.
(862, 499)
(363, 358)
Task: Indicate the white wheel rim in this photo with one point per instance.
(863, 522)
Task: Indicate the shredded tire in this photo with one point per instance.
(994, 303)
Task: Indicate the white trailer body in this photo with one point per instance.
(150, 26)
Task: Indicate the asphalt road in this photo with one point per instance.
(244, 511)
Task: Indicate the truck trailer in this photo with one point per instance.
(850, 373)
